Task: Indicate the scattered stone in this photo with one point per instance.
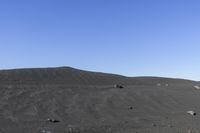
(131, 108)
(197, 87)
(118, 86)
(166, 85)
(191, 113)
(154, 125)
(53, 120)
(158, 84)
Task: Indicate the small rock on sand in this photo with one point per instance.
(191, 113)
(53, 120)
(118, 86)
(158, 84)
(197, 87)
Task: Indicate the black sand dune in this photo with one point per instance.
(67, 100)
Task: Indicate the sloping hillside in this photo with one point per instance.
(62, 75)
(88, 102)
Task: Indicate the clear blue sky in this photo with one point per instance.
(129, 37)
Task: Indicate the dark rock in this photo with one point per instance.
(118, 86)
(53, 120)
(131, 108)
(154, 125)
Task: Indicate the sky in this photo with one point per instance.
(128, 37)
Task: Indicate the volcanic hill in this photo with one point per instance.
(68, 100)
